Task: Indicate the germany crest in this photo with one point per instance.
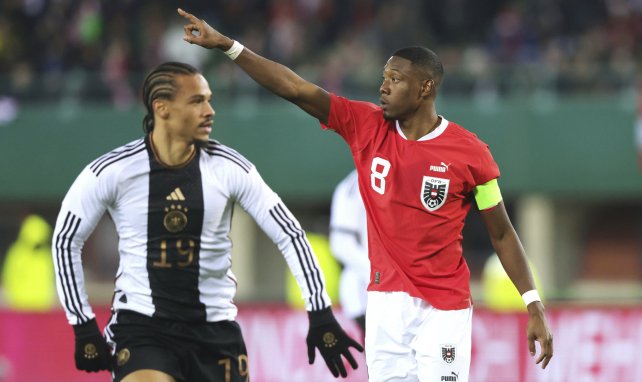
(434, 192)
(448, 353)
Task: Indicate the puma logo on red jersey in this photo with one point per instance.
(441, 168)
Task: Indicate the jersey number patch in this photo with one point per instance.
(380, 168)
(434, 192)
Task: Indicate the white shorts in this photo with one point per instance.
(408, 339)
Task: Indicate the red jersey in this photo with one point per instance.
(417, 195)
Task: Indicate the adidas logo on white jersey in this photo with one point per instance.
(177, 194)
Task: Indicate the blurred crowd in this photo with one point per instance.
(100, 50)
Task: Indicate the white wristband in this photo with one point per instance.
(531, 296)
(235, 50)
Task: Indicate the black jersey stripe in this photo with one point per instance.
(74, 288)
(95, 164)
(231, 158)
(59, 260)
(132, 151)
(232, 152)
(304, 254)
(63, 258)
(114, 160)
(307, 251)
(173, 249)
(216, 148)
(298, 251)
(109, 333)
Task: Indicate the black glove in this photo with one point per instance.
(92, 352)
(326, 334)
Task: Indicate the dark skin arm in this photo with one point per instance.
(273, 76)
(513, 258)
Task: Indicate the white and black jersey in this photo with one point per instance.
(173, 225)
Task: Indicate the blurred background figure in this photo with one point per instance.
(349, 244)
(638, 123)
(28, 274)
(498, 291)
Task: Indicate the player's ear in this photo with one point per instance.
(427, 87)
(160, 108)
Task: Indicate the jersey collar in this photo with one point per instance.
(432, 135)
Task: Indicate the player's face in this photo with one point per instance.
(190, 113)
(400, 90)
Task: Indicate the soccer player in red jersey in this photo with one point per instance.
(418, 175)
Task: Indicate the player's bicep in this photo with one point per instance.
(252, 194)
(86, 201)
(487, 195)
(314, 101)
(493, 212)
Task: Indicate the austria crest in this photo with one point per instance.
(434, 192)
(448, 353)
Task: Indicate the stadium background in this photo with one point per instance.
(552, 86)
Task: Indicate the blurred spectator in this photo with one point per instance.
(115, 74)
(349, 244)
(173, 48)
(490, 49)
(499, 292)
(27, 274)
(8, 110)
(638, 124)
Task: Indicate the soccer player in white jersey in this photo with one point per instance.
(349, 244)
(171, 196)
(418, 175)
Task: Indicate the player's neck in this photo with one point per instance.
(419, 125)
(170, 151)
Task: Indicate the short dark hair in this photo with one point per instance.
(425, 59)
(160, 84)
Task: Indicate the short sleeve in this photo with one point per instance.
(353, 120)
(486, 168)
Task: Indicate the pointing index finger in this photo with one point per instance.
(187, 15)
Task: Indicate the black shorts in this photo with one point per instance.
(194, 352)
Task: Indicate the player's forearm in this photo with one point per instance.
(273, 76)
(81, 210)
(508, 247)
(282, 81)
(511, 254)
(280, 225)
(70, 279)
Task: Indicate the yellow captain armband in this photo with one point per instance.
(487, 195)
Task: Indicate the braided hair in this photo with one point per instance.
(160, 84)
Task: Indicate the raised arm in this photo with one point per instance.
(273, 76)
(511, 254)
